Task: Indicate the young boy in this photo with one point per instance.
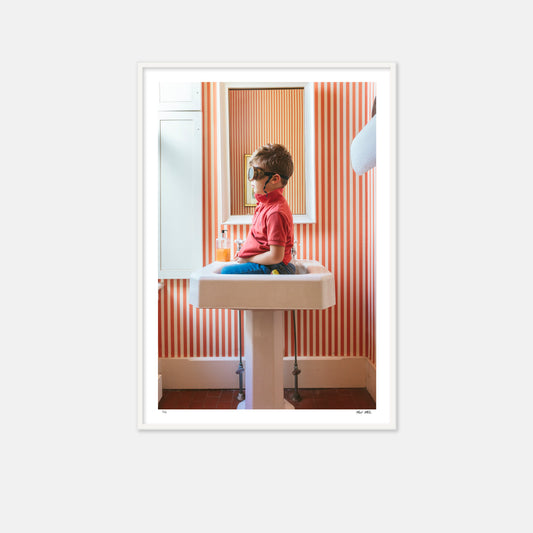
(269, 243)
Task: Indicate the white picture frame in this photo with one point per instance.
(384, 416)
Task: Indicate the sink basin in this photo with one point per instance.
(312, 287)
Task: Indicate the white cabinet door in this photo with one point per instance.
(180, 194)
(176, 96)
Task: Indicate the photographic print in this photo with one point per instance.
(295, 328)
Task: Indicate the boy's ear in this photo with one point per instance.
(278, 179)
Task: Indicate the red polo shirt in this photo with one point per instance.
(271, 225)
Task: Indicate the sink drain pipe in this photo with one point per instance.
(296, 371)
(240, 370)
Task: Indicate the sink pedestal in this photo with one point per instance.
(263, 298)
(263, 352)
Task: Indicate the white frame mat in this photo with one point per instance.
(381, 418)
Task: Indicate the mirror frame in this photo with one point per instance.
(309, 217)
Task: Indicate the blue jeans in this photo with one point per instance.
(256, 268)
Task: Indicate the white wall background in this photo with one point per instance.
(72, 458)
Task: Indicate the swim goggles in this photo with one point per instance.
(256, 173)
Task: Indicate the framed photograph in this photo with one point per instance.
(249, 198)
(328, 358)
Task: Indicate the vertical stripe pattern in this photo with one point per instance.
(261, 116)
(342, 239)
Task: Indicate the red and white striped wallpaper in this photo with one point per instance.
(260, 116)
(342, 239)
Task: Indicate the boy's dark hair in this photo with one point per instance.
(274, 158)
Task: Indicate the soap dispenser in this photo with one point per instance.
(223, 251)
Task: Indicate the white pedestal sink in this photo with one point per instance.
(264, 298)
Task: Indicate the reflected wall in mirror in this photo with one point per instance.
(254, 114)
(260, 116)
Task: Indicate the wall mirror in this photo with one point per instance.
(253, 114)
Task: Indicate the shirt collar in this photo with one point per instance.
(270, 197)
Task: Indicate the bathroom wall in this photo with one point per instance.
(342, 239)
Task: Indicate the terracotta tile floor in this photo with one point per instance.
(227, 399)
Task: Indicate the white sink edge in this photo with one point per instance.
(212, 271)
(268, 278)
